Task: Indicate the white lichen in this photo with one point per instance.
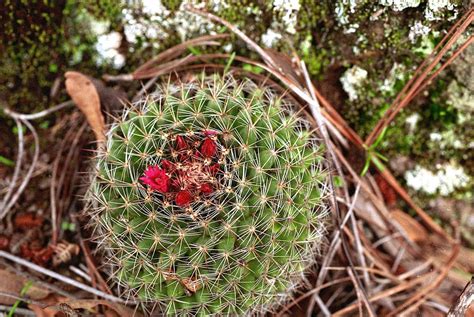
(344, 8)
(157, 20)
(417, 30)
(412, 121)
(270, 38)
(288, 11)
(448, 139)
(352, 28)
(352, 80)
(436, 8)
(107, 48)
(446, 180)
(399, 5)
(461, 97)
(397, 73)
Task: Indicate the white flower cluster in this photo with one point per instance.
(446, 180)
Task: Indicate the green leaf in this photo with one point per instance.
(252, 68)
(6, 162)
(229, 62)
(194, 51)
(383, 158)
(68, 226)
(15, 130)
(338, 181)
(23, 291)
(377, 163)
(366, 166)
(44, 124)
(379, 139)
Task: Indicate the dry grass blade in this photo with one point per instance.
(175, 51)
(59, 277)
(16, 173)
(26, 179)
(389, 292)
(418, 298)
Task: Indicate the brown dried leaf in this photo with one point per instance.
(64, 252)
(13, 284)
(85, 96)
(414, 230)
(191, 284)
(42, 311)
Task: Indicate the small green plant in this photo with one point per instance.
(208, 199)
(23, 291)
(6, 161)
(373, 156)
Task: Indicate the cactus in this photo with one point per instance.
(207, 198)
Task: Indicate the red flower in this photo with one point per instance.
(206, 189)
(156, 178)
(181, 143)
(183, 198)
(208, 148)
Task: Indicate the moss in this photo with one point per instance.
(40, 41)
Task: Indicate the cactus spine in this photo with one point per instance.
(207, 197)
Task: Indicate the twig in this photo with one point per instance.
(80, 273)
(18, 310)
(361, 298)
(16, 173)
(310, 293)
(60, 277)
(420, 297)
(388, 292)
(464, 301)
(31, 168)
(40, 114)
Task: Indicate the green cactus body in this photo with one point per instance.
(208, 198)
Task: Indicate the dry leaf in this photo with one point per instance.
(191, 284)
(13, 284)
(413, 229)
(91, 305)
(85, 96)
(64, 252)
(52, 299)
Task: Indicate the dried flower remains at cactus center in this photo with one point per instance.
(207, 198)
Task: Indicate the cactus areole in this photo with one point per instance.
(207, 198)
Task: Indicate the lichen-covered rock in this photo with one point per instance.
(208, 198)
